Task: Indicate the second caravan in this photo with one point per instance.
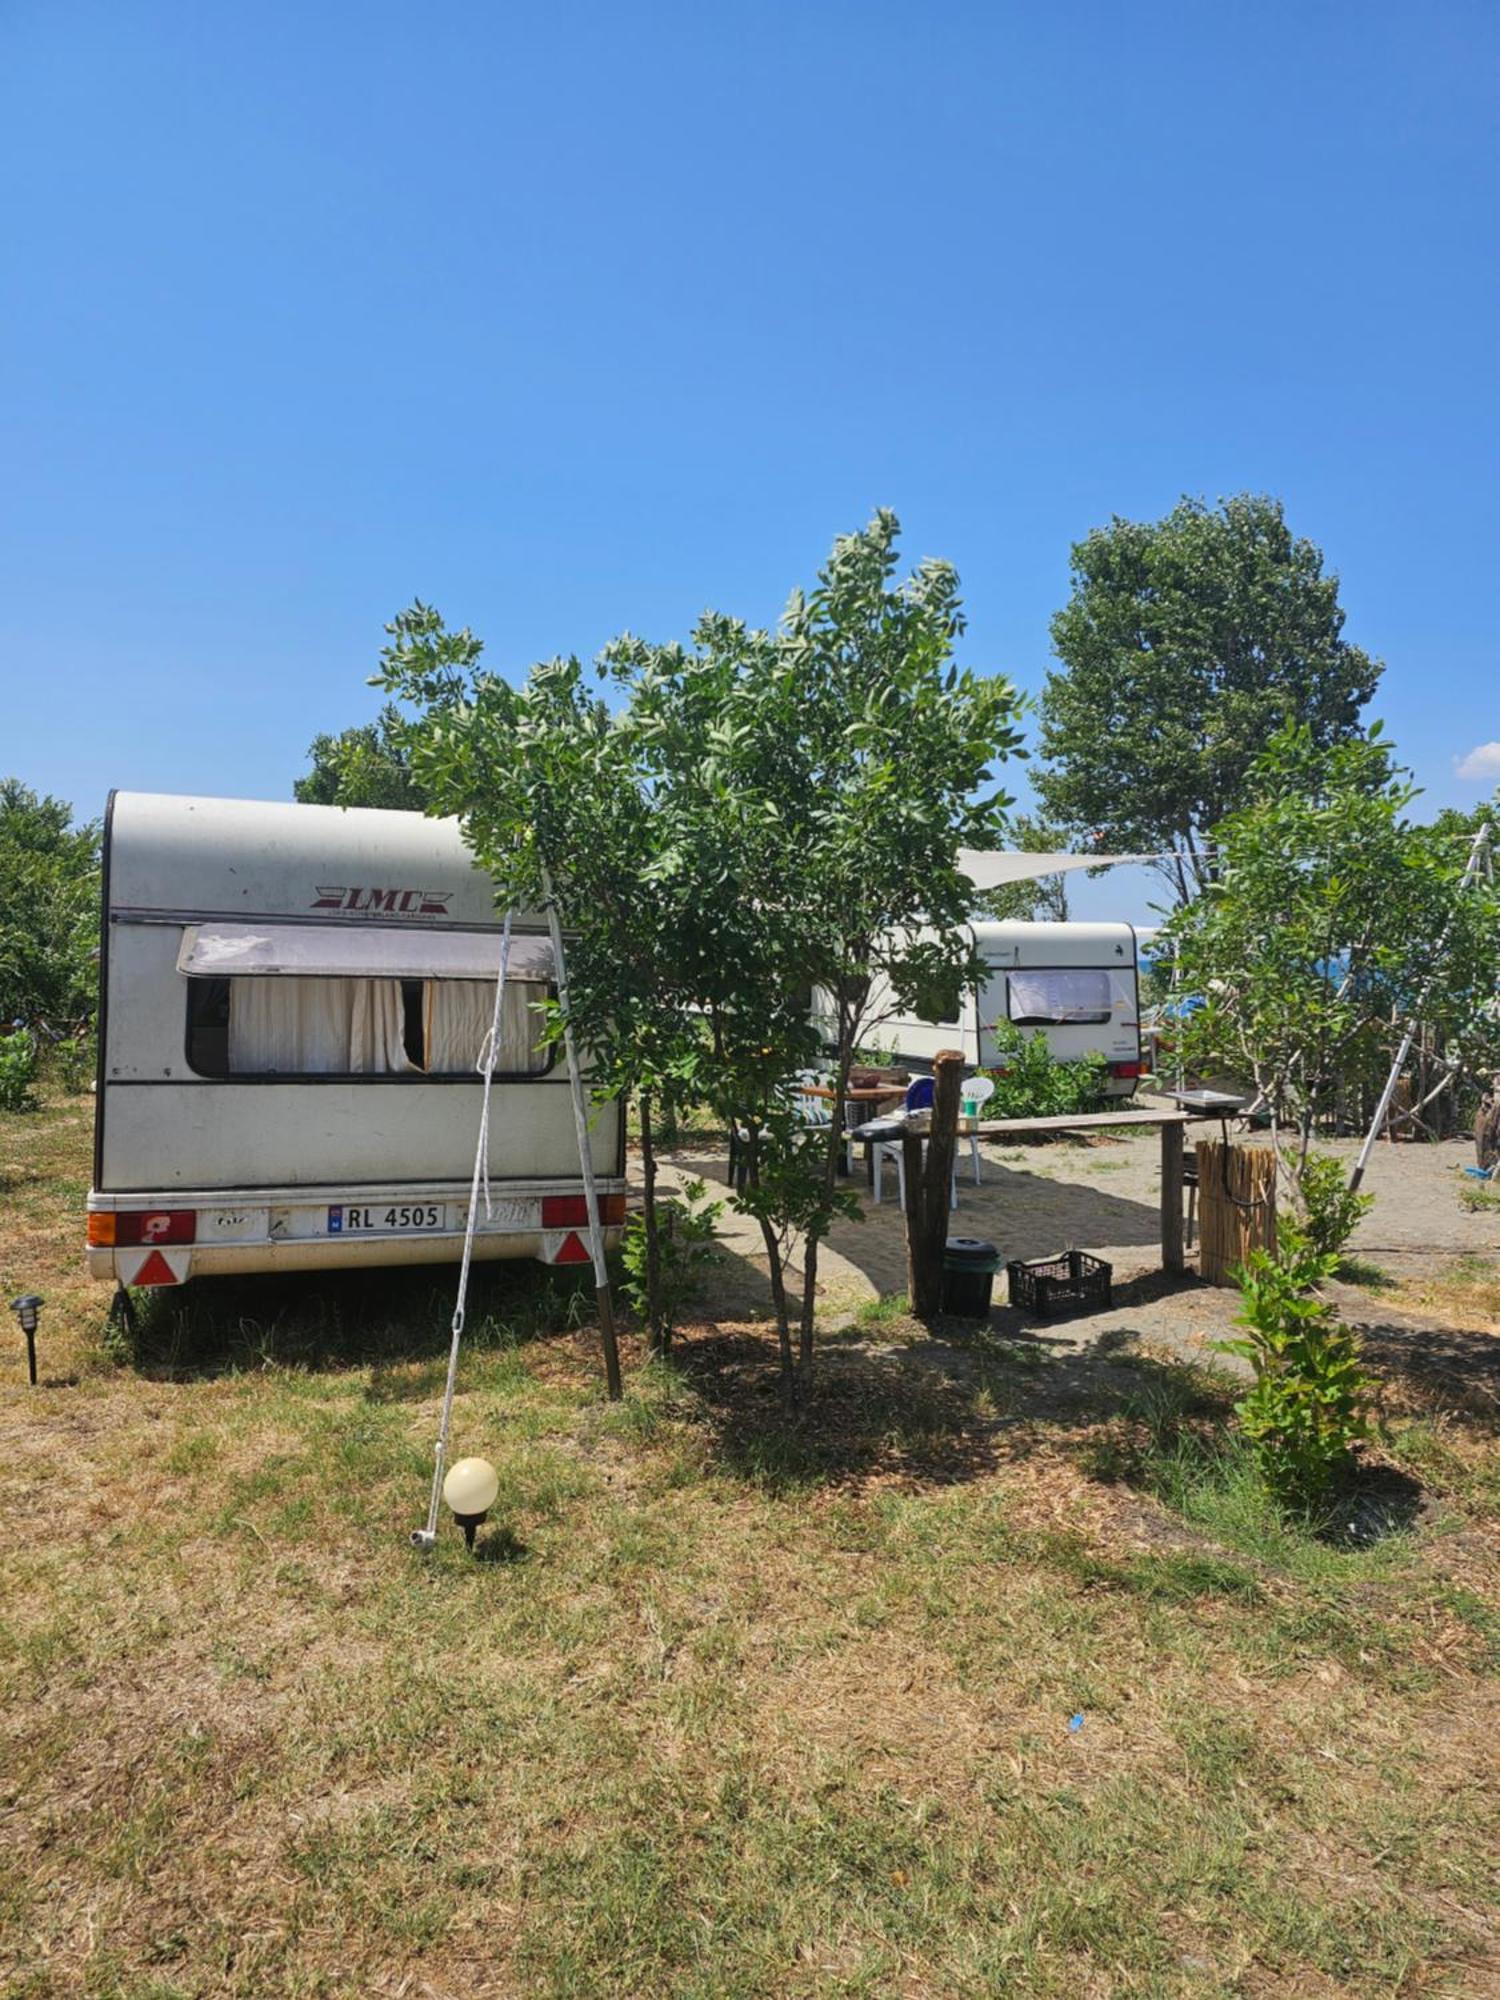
(1074, 984)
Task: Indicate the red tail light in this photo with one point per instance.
(153, 1225)
(1125, 1070)
(571, 1211)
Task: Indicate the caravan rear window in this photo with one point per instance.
(303, 1027)
(1076, 997)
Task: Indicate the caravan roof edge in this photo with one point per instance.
(182, 855)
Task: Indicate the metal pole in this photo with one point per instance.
(585, 1156)
(426, 1538)
(1477, 855)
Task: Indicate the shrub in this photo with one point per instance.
(1330, 1207)
(72, 1061)
(1030, 1082)
(17, 1071)
(686, 1230)
(1309, 1406)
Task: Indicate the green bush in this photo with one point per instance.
(1309, 1406)
(17, 1071)
(1030, 1082)
(72, 1062)
(1330, 1207)
(686, 1231)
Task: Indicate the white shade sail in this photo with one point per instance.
(989, 868)
(356, 951)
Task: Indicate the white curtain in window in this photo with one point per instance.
(1059, 997)
(377, 1045)
(456, 1019)
(315, 1027)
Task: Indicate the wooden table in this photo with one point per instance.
(880, 1093)
(1170, 1124)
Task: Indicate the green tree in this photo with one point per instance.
(837, 767)
(368, 765)
(764, 813)
(49, 911)
(1186, 644)
(547, 782)
(1331, 915)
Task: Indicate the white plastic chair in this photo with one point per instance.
(977, 1091)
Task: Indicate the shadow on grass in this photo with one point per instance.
(951, 1404)
(318, 1320)
(1367, 1276)
(867, 1412)
(500, 1545)
(1447, 1366)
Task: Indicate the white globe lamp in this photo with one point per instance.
(470, 1489)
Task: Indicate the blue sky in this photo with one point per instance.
(578, 319)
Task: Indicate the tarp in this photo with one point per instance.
(357, 951)
(989, 868)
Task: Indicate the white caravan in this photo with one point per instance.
(293, 1000)
(1076, 984)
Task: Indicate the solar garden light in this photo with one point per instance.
(470, 1489)
(28, 1310)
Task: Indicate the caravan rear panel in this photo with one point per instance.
(293, 1000)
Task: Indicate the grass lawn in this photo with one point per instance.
(993, 1674)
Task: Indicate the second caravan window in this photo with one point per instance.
(1074, 998)
(296, 1027)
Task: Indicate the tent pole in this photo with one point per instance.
(585, 1156)
(1477, 854)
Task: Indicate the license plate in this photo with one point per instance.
(380, 1218)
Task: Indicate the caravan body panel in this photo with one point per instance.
(261, 1170)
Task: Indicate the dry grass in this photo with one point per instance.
(728, 1707)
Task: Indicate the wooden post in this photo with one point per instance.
(602, 1295)
(1171, 1197)
(928, 1190)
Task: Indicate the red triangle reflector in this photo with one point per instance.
(155, 1271)
(572, 1251)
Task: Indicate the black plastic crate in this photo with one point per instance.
(1045, 1285)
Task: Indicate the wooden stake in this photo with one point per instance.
(928, 1187)
(1171, 1197)
(585, 1160)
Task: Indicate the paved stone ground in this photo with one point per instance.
(1101, 1194)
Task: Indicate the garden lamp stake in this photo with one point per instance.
(27, 1310)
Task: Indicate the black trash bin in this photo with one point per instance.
(969, 1267)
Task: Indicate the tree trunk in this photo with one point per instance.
(928, 1188)
(776, 1271)
(783, 1318)
(816, 1233)
(809, 1305)
(658, 1333)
